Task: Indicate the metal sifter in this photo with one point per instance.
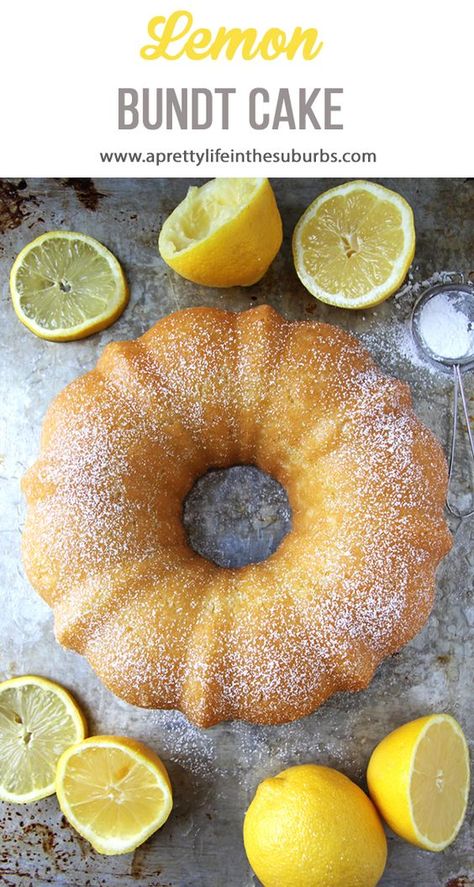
(442, 325)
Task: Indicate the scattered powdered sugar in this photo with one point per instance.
(184, 744)
(392, 343)
(351, 583)
(415, 287)
(446, 330)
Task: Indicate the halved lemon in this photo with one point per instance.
(354, 244)
(114, 791)
(38, 720)
(225, 233)
(418, 777)
(65, 285)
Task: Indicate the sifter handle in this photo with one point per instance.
(458, 392)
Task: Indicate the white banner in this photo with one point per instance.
(109, 87)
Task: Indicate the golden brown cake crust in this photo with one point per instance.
(104, 543)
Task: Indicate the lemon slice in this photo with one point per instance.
(354, 244)
(225, 233)
(418, 776)
(38, 720)
(114, 791)
(66, 285)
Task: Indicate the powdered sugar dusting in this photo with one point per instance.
(393, 341)
(122, 446)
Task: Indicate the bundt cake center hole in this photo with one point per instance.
(236, 516)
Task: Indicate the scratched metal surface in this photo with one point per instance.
(215, 772)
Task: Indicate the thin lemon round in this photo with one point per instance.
(418, 777)
(38, 720)
(115, 791)
(225, 233)
(353, 246)
(65, 286)
(310, 826)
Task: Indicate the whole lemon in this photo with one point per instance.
(310, 826)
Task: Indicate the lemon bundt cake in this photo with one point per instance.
(122, 448)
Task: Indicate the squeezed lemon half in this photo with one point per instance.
(65, 286)
(225, 233)
(354, 244)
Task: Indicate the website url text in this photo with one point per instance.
(250, 156)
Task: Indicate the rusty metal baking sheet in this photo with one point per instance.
(215, 772)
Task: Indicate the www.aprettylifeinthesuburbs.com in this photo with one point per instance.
(196, 158)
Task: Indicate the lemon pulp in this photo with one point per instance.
(438, 785)
(206, 209)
